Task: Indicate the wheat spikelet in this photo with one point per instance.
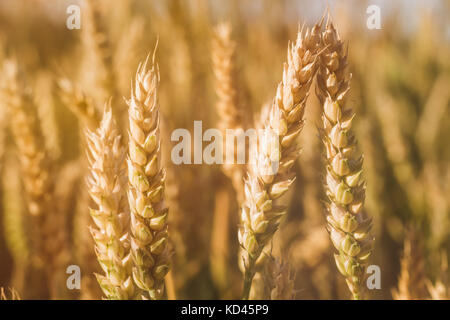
(348, 224)
(260, 214)
(84, 246)
(107, 177)
(412, 280)
(149, 234)
(50, 242)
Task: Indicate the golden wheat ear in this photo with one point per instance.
(149, 229)
(260, 214)
(348, 224)
(106, 184)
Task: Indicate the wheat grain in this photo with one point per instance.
(149, 213)
(260, 214)
(107, 178)
(348, 224)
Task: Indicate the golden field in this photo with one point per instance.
(76, 191)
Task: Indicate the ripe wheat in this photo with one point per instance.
(260, 214)
(149, 234)
(106, 183)
(348, 224)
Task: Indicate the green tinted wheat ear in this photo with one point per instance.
(260, 214)
(106, 183)
(348, 224)
(149, 237)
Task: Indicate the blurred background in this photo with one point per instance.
(400, 92)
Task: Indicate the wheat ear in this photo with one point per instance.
(50, 243)
(412, 279)
(149, 236)
(348, 224)
(260, 215)
(106, 183)
(223, 48)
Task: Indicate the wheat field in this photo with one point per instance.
(94, 204)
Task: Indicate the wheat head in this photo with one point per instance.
(348, 224)
(149, 234)
(106, 183)
(260, 214)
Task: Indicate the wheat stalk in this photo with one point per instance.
(260, 214)
(348, 224)
(412, 280)
(149, 236)
(50, 242)
(107, 178)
